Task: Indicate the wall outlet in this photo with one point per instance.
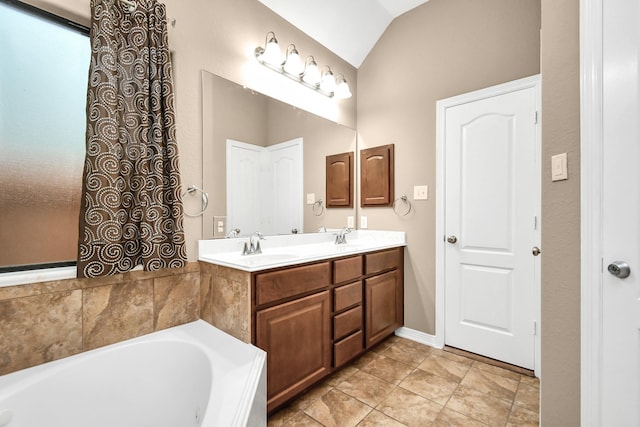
(311, 198)
(420, 192)
(350, 222)
(219, 227)
(363, 222)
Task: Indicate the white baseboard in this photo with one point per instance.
(417, 336)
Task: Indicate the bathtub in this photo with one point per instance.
(192, 375)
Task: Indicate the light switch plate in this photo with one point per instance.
(420, 192)
(559, 167)
(350, 222)
(219, 227)
(363, 222)
(311, 198)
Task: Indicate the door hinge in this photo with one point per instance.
(535, 119)
(535, 328)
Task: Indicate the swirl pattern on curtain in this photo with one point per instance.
(131, 210)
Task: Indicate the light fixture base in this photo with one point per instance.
(259, 51)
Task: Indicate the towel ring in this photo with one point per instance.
(205, 200)
(405, 202)
(318, 208)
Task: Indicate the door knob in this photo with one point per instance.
(536, 251)
(620, 269)
(452, 239)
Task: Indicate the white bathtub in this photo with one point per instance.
(192, 375)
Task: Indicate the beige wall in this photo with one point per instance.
(560, 391)
(440, 49)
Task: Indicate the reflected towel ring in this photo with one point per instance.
(205, 200)
(406, 203)
(318, 208)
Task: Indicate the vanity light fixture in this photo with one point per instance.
(306, 74)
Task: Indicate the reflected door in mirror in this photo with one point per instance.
(264, 187)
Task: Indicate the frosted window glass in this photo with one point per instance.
(43, 85)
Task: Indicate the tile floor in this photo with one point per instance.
(403, 383)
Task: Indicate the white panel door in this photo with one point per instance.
(491, 205)
(286, 176)
(621, 214)
(244, 192)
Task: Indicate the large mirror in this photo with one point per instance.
(264, 163)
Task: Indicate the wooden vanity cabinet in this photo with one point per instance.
(297, 338)
(314, 318)
(384, 295)
(294, 328)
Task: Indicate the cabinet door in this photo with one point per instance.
(339, 185)
(377, 176)
(297, 339)
(384, 306)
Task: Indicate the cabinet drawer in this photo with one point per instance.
(347, 269)
(347, 295)
(385, 260)
(288, 283)
(347, 322)
(347, 349)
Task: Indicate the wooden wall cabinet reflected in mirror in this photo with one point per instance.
(376, 176)
(340, 180)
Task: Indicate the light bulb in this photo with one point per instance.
(312, 74)
(293, 64)
(272, 54)
(328, 83)
(343, 91)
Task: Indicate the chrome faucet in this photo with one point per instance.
(253, 245)
(233, 233)
(341, 236)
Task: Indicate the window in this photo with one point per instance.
(44, 63)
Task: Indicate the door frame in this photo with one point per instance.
(441, 107)
(591, 203)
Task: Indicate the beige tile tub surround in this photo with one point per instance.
(41, 322)
(116, 312)
(231, 289)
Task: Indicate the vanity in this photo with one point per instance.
(311, 304)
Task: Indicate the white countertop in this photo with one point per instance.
(282, 251)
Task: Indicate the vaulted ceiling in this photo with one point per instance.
(349, 28)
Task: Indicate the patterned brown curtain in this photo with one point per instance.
(131, 210)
